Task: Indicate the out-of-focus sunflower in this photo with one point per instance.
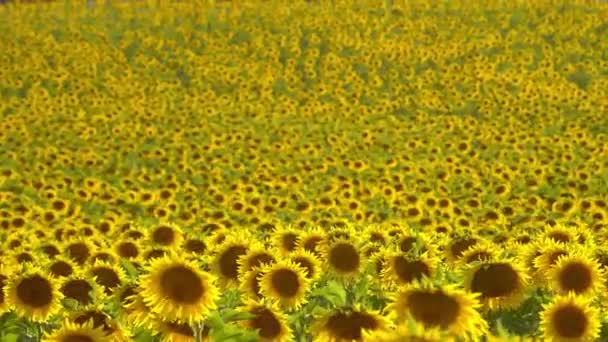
(268, 319)
(70, 332)
(285, 282)
(452, 310)
(136, 313)
(409, 332)
(285, 239)
(165, 234)
(107, 275)
(309, 262)
(179, 332)
(225, 261)
(100, 319)
(176, 289)
(550, 252)
(250, 283)
(342, 258)
(458, 245)
(479, 252)
(570, 318)
(256, 256)
(312, 240)
(348, 324)
(5, 273)
(403, 268)
(61, 267)
(33, 294)
(576, 273)
(500, 282)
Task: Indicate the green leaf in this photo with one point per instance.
(333, 292)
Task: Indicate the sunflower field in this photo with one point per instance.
(290, 170)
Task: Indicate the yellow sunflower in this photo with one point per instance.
(309, 262)
(177, 290)
(410, 332)
(452, 310)
(400, 269)
(549, 252)
(250, 283)
(570, 318)
(268, 319)
(136, 313)
(70, 332)
(285, 239)
(577, 273)
(33, 294)
(500, 282)
(165, 234)
(100, 319)
(256, 256)
(107, 275)
(312, 240)
(225, 261)
(285, 282)
(347, 324)
(5, 273)
(174, 331)
(342, 258)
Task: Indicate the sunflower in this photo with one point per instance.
(410, 332)
(225, 262)
(348, 324)
(5, 272)
(285, 282)
(312, 240)
(61, 267)
(100, 319)
(107, 275)
(176, 290)
(309, 262)
(458, 245)
(33, 294)
(549, 253)
(81, 289)
(403, 268)
(269, 321)
(69, 332)
(577, 273)
(256, 256)
(175, 331)
(570, 318)
(479, 252)
(166, 235)
(136, 313)
(500, 283)
(342, 258)
(79, 250)
(250, 283)
(452, 310)
(285, 239)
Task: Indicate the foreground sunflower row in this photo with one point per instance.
(379, 283)
(292, 170)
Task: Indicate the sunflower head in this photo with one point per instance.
(576, 273)
(500, 283)
(268, 319)
(570, 318)
(285, 282)
(176, 289)
(166, 235)
(400, 269)
(348, 324)
(70, 331)
(226, 259)
(33, 294)
(343, 257)
(446, 308)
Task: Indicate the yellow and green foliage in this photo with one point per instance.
(304, 170)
